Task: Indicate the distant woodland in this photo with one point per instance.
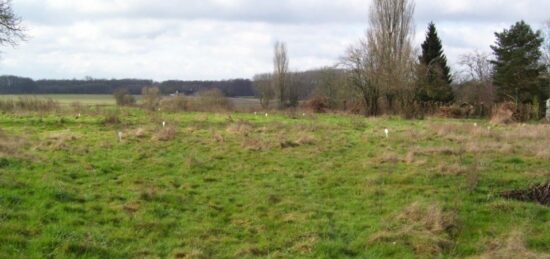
(21, 85)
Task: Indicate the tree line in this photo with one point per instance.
(20, 85)
(384, 73)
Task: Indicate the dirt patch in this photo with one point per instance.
(538, 193)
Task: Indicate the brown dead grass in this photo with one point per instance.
(424, 228)
(59, 140)
(10, 145)
(166, 134)
(240, 128)
(306, 139)
(504, 114)
(139, 133)
(510, 248)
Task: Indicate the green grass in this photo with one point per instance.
(223, 187)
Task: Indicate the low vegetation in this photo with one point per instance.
(130, 183)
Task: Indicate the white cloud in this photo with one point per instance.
(215, 39)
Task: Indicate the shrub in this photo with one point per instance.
(213, 100)
(150, 98)
(504, 113)
(166, 134)
(318, 104)
(124, 98)
(29, 104)
(175, 104)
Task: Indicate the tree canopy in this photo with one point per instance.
(517, 65)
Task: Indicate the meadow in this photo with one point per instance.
(115, 183)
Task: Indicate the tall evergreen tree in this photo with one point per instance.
(518, 67)
(435, 74)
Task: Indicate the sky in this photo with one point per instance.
(225, 39)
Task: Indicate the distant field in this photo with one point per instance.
(90, 99)
(237, 185)
(104, 99)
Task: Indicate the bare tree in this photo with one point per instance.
(477, 83)
(359, 65)
(383, 64)
(477, 66)
(263, 84)
(11, 29)
(389, 43)
(280, 73)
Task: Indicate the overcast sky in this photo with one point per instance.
(222, 39)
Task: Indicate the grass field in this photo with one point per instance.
(88, 99)
(243, 186)
(104, 99)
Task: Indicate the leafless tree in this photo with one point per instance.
(280, 73)
(389, 43)
(477, 66)
(383, 64)
(264, 89)
(359, 65)
(11, 29)
(477, 83)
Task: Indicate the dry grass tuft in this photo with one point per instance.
(188, 254)
(388, 157)
(306, 139)
(504, 114)
(425, 229)
(59, 140)
(10, 145)
(240, 128)
(166, 134)
(218, 137)
(138, 133)
(254, 145)
(512, 247)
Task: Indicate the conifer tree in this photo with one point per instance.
(434, 73)
(518, 67)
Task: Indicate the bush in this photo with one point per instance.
(175, 104)
(504, 113)
(124, 98)
(213, 100)
(318, 104)
(29, 104)
(150, 98)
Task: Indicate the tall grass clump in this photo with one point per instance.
(212, 100)
(175, 104)
(124, 98)
(29, 104)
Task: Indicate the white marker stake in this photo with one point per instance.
(475, 125)
(387, 131)
(120, 136)
(164, 124)
(266, 115)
